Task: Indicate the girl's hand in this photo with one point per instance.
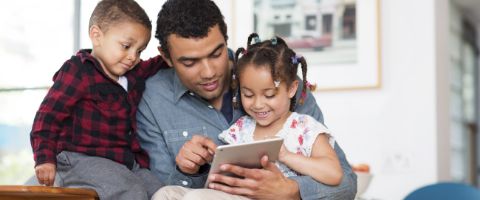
(283, 154)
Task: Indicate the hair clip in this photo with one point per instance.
(311, 86)
(277, 83)
(296, 59)
(257, 39)
(234, 99)
(274, 40)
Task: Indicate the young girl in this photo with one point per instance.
(266, 75)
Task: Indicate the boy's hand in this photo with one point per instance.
(45, 173)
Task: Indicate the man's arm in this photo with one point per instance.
(311, 189)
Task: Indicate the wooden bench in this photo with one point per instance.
(22, 192)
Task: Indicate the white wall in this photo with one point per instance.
(394, 128)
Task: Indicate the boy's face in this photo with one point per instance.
(118, 49)
(262, 100)
(201, 63)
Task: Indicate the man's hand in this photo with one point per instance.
(195, 153)
(45, 173)
(266, 183)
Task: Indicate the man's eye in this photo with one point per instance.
(188, 63)
(216, 55)
(125, 46)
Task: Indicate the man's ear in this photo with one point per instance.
(95, 34)
(165, 58)
(292, 90)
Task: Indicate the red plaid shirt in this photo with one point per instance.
(87, 112)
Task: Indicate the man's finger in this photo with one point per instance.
(231, 190)
(206, 143)
(195, 155)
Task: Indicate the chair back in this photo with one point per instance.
(445, 191)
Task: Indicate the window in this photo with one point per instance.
(31, 53)
(348, 22)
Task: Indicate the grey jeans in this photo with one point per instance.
(110, 179)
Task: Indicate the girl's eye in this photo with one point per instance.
(247, 95)
(125, 46)
(269, 96)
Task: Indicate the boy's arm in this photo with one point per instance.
(311, 189)
(55, 109)
(150, 67)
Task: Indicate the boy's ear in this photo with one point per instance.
(168, 60)
(293, 89)
(95, 34)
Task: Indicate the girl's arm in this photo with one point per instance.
(323, 165)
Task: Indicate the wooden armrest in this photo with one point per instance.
(23, 192)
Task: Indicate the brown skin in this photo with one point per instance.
(45, 173)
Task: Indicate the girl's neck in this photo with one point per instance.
(264, 132)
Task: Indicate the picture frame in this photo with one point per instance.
(360, 73)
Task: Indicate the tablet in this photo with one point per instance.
(247, 155)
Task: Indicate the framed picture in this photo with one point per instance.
(340, 39)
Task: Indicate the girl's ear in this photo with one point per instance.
(292, 90)
(169, 62)
(95, 34)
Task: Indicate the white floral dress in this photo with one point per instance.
(299, 133)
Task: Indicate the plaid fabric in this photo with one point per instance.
(87, 112)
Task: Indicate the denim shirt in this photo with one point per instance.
(169, 115)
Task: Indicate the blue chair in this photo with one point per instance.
(445, 191)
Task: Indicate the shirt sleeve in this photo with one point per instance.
(313, 129)
(55, 109)
(150, 67)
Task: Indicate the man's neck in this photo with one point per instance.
(217, 102)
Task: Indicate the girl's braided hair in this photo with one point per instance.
(274, 54)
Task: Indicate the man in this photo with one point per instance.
(185, 108)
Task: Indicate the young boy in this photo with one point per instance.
(85, 128)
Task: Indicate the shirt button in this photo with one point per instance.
(210, 106)
(184, 183)
(191, 94)
(185, 133)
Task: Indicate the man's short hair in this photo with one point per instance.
(188, 19)
(109, 12)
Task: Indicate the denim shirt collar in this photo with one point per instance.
(178, 88)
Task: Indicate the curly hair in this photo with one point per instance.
(109, 12)
(188, 19)
(272, 54)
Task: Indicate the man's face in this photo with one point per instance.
(201, 63)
